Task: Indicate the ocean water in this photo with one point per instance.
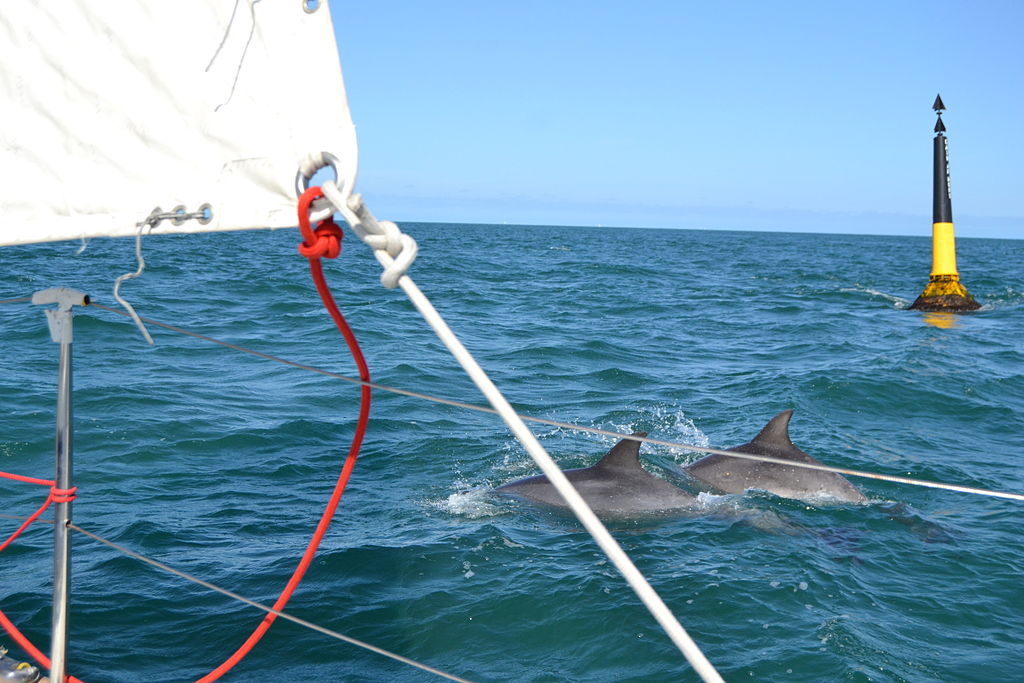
(219, 463)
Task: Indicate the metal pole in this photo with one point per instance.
(62, 518)
(61, 321)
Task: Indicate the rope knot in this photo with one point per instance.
(63, 495)
(326, 242)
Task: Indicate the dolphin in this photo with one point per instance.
(733, 475)
(617, 486)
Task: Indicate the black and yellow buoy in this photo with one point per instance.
(944, 291)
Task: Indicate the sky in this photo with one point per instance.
(752, 115)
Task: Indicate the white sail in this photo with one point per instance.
(109, 110)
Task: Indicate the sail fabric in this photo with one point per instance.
(109, 110)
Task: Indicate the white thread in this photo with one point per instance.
(224, 38)
(245, 50)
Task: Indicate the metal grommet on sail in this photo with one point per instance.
(205, 214)
(180, 215)
(312, 165)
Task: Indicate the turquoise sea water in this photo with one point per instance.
(219, 463)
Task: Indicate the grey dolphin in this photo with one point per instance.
(733, 475)
(617, 486)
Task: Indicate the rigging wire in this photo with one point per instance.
(367, 385)
(41, 520)
(271, 611)
(1007, 495)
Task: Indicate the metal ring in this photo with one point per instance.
(302, 181)
(310, 6)
(153, 219)
(205, 214)
(181, 213)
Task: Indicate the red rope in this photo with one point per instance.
(325, 241)
(56, 495)
(30, 480)
(31, 649)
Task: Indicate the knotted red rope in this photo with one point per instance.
(63, 495)
(323, 242)
(56, 495)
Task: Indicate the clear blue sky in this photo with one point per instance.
(805, 116)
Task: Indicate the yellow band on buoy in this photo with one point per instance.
(943, 250)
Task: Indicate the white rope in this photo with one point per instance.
(608, 544)
(396, 252)
(393, 248)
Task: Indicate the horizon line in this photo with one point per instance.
(695, 229)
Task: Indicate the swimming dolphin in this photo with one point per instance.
(734, 475)
(617, 486)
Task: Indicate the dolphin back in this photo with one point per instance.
(623, 457)
(733, 475)
(775, 435)
(617, 486)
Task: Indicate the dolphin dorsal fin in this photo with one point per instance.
(776, 433)
(623, 455)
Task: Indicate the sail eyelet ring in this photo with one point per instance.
(302, 180)
(205, 214)
(180, 215)
(310, 6)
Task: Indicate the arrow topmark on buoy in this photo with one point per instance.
(944, 292)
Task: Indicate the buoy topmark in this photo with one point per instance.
(944, 291)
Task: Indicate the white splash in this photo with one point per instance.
(472, 504)
(899, 302)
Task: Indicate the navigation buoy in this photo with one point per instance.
(944, 291)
